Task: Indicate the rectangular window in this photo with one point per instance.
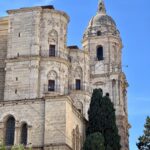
(78, 84)
(52, 50)
(51, 85)
(100, 53)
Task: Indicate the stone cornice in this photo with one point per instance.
(21, 58)
(40, 9)
(79, 51)
(56, 59)
(21, 101)
(83, 92)
(111, 38)
(28, 58)
(70, 101)
(51, 145)
(106, 74)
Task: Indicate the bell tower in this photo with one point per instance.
(103, 42)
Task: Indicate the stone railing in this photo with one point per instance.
(83, 88)
(59, 90)
(59, 54)
(56, 90)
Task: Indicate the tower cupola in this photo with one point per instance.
(101, 23)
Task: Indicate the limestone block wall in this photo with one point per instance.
(81, 101)
(29, 111)
(61, 117)
(80, 70)
(3, 51)
(74, 120)
(55, 120)
(53, 31)
(21, 81)
(79, 67)
(23, 36)
(54, 69)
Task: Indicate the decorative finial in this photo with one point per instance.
(101, 7)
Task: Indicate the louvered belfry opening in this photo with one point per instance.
(100, 53)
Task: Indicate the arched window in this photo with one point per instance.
(99, 33)
(10, 131)
(100, 53)
(24, 134)
(79, 106)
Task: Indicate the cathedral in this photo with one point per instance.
(46, 86)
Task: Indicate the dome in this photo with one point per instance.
(102, 20)
(101, 23)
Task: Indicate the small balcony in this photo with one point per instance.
(81, 88)
(54, 53)
(55, 90)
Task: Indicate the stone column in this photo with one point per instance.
(17, 133)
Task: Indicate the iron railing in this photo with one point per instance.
(60, 90)
(82, 87)
(56, 90)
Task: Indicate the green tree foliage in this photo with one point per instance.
(94, 141)
(144, 141)
(18, 147)
(102, 119)
(2, 147)
(15, 147)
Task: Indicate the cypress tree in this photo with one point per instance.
(102, 119)
(94, 141)
(144, 141)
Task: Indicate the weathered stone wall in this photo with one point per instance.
(22, 63)
(23, 33)
(3, 51)
(61, 118)
(74, 119)
(53, 31)
(54, 69)
(21, 81)
(29, 111)
(80, 69)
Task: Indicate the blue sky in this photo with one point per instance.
(133, 20)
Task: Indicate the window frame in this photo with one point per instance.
(51, 85)
(78, 84)
(24, 134)
(52, 50)
(100, 53)
(10, 131)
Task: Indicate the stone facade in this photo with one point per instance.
(48, 85)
